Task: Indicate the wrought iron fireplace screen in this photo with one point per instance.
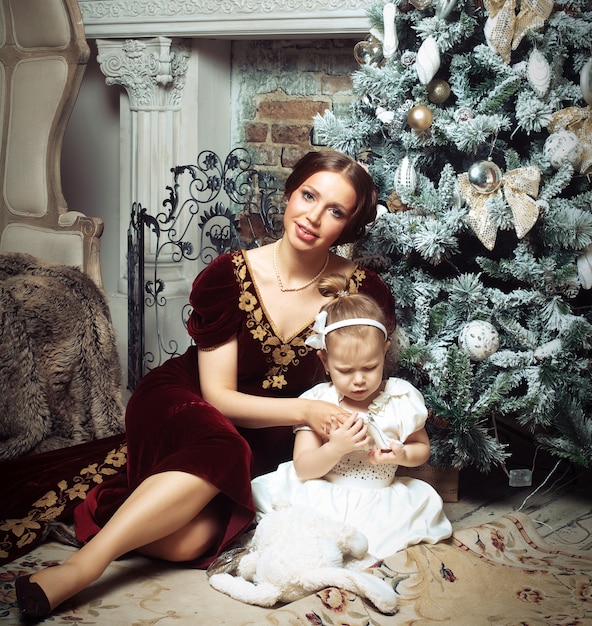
(213, 207)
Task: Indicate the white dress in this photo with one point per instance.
(392, 512)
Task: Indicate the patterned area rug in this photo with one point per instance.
(498, 573)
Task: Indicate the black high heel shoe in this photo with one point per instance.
(32, 601)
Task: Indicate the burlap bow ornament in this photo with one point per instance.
(519, 187)
(579, 122)
(504, 30)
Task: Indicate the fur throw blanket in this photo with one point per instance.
(60, 376)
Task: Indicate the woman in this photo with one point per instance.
(202, 424)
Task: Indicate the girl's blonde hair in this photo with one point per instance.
(344, 305)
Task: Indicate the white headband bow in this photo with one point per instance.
(317, 341)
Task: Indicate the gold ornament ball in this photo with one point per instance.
(438, 91)
(420, 117)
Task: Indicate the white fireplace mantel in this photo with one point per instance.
(224, 18)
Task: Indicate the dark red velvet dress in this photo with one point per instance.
(170, 427)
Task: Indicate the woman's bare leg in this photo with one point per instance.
(162, 514)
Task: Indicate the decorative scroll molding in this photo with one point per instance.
(135, 8)
(223, 18)
(152, 71)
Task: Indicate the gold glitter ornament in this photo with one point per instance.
(420, 117)
(438, 91)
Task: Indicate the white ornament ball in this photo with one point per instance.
(584, 265)
(478, 339)
(561, 147)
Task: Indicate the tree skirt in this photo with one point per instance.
(501, 572)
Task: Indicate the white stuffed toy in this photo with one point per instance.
(296, 551)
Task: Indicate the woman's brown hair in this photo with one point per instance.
(366, 196)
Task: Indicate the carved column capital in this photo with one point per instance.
(153, 71)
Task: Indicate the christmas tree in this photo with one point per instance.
(475, 120)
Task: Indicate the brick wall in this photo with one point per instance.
(278, 87)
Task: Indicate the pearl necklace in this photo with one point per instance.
(279, 278)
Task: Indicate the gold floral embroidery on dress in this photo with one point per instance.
(25, 531)
(281, 355)
(356, 279)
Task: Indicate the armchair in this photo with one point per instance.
(43, 56)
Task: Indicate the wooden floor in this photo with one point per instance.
(559, 500)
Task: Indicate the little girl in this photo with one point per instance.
(350, 474)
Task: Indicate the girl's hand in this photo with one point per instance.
(395, 456)
(348, 436)
(413, 453)
(314, 455)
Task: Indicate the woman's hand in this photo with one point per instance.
(321, 416)
(218, 382)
